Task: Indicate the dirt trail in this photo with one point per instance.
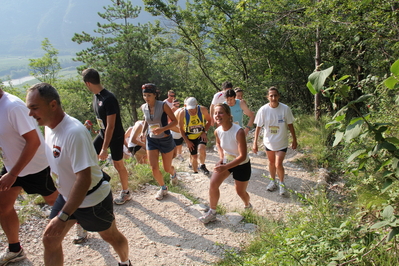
(168, 232)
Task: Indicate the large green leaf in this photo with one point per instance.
(395, 68)
(387, 213)
(390, 82)
(310, 87)
(353, 130)
(318, 78)
(355, 154)
(338, 137)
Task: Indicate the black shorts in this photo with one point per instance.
(241, 172)
(196, 142)
(283, 150)
(95, 219)
(134, 149)
(116, 147)
(179, 141)
(38, 183)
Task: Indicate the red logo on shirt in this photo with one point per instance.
(100, 103)
(56, 151)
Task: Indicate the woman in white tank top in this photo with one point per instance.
(232, 149)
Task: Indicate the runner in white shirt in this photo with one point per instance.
(276, 118)
(85, 196)
(219, 97)
(25, 167)
(170, 99)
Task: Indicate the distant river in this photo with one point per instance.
(19, 81)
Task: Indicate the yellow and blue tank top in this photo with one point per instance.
(194, 124)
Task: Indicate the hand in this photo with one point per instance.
(220, 168)
(103, 155)
(190, 145)
(6, 181)
(157, 131)
(54, 228)
(204, 137)
(255, 148)
(294, 145)
(246, 130)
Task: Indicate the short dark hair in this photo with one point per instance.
(149, 88)
(91, 75)
(227, 85)
(46, 91)
(272, 88)
(238, 89)
(230, 93)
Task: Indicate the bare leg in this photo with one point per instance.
(123, 175)
(202, 153)
(153, 157)
(167, 162)
(117, 240)
(271, 155)
(50, 199)
(214, 193)
(241, 189)
(8, 216)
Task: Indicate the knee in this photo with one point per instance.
(51, 243)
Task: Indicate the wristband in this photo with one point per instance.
(248, 127)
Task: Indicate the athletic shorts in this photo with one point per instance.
(95, 219)
(283, 150)
(179, 141)
(164, 145)
(241, 172)
(116, 147)
(38, 183)
(134, 149)
(196, 142)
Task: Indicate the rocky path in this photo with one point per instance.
(168, 232)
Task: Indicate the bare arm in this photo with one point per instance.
(207, 117)
(172, 123)
(249, 113)
(292, 130)
(32, 143)
(109, 131)
(255, 142)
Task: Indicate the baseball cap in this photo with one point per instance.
(191, 103)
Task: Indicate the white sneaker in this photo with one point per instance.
(161, 193)
(9, 256)
(81, 235)
(282, 188)
(123, 197)
(272, 186)
(208, 217)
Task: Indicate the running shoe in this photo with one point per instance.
(210, 216)
(9, 256)
(180, 157)
(81, 235)
(123, 197)
(203, 169)
(272, 186)
(190, 166)
(174, 180)
(249, 207)
(282, 188)
(120, 264)
(161, 193)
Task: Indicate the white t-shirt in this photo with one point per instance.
(15, 122)
(139, 123)
(69, 150)
(229, 144)
(218, 97)
(275, 122)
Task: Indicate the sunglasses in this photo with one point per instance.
(172, 95)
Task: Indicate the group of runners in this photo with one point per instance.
(82, 195)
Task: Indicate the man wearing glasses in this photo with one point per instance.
(170, 99)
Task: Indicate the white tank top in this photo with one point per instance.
(229, 144)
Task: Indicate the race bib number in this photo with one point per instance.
(236, 122)
(152, 127)
(196, 129)
(100, 123)
(229, 157)
(274, 129)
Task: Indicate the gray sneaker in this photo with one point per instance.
(272, 186)
(9, 256)
(161, 193)
(208, 217)
(249, 207)
(81, 235)
(123, 197)
(282, 188)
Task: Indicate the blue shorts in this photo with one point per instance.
(38, 183)
(164, 145)
(95, 219)
(242, 172)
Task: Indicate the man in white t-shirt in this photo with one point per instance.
(276, 118)
(219, 97)
(85, 195)
(25, 167)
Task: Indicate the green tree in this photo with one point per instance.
(123, 52)
(47, 67)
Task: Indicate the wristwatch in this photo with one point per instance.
(63, 216)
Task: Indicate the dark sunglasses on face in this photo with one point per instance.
(172, 95)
